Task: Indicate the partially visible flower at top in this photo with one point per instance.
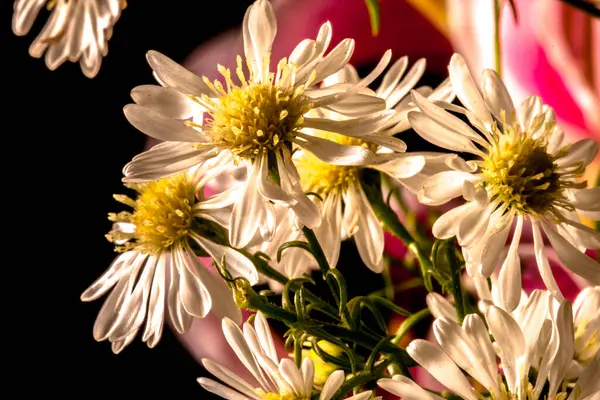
(522, 171)
(339, 186)
(157, 267)
(256, 122)
(77, 30)
(544, 345)
(276, 379)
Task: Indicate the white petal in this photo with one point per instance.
(260, 27)
(369, 238)
(167, 101)
(333, 383)
(496, 96)
(160, 127)
(440, 135)
(335, 59)
(405, 388)
(237, 342)
(587, 199)
(542, 260)
(237, 264)
(507, 334)
(221, 390)
(334, 153)
(264, 334)
(477, 331)
(289, 371)
(441, 307)
(120, 267)
(464, 352)
(173, 75)
(465, 89)
(308, 375)
(431, 357)
(571, 257)
(247, 212)
(403, 166)
(509, 280)
(181, 319)
(444, 186)
(408, 82)
(584, 150)
(230, 378)
(195, 297)
(156, 306)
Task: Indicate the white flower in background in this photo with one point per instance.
(277, 379)
(544, 345)
(521, 172)
(254, 119)
(157, 268)
(77, 30)
(339, 185)
(586, 319)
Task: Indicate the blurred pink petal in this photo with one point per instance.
(548, 53)
(403, 29)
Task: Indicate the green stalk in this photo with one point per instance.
(497, 44)
(409, 323)
(459, 303)
(392, 224)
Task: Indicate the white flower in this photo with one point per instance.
(157, 266)
(278, 379)
(254, 120)
(77, 30)
(542, 344)
(521, 173)
(345, 209)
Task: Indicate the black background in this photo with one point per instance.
(64, 142)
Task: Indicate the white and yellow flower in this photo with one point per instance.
(77, 30)
(345, 209)
(277, 379)
(543, 343)
(254, 119)
(521, 172)
(157, 272)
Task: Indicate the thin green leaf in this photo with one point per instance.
(373, 8)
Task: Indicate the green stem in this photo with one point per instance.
(409, 323)
(459, 303)
(317, 250)
(392, 224)
(252, 301)
(362, 378)
(497, 44)
(264, 268)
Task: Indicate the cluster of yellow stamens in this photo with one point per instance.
(162, 215)
(255, 116)
(520, 172)
(320, 177)
(277, 396)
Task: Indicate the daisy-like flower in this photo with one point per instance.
(521, 172)
(157, 266)
(77, 30)
(543, 346)
(345, 209)
(276, 379)
(254, 119)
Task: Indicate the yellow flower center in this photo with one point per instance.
(162, 215)
(277, 396)
(522, 175)
(254, 118)
(320, 177)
